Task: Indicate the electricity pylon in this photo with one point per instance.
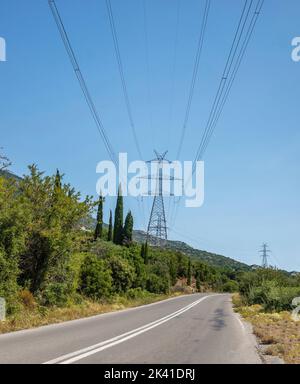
(157, 227)
(265, 255)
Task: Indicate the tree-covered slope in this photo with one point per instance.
(196, 254)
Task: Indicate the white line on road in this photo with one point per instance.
(89, 351)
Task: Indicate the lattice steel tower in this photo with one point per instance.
(265, 255)
(157, 227)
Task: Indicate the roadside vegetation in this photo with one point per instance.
(265, 300)
(52, 268)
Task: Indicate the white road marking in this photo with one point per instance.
(89, 351)
(240, 321)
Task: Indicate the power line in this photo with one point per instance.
(228, 81)
(122, 76)
(148, 72)
(125, 92)
(173, 67)
(173, 214)
(235, 57)
(234, 60)
(81, 80)
(195, 74)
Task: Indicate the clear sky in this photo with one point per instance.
(252, 163)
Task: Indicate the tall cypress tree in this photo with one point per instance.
(110, 227)
(146, 253)
(99, 226)
(128, 229)
(57, 182)
(189, 277)
(118, 226)
(143, 251)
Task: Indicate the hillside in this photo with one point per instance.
(9, 175)
(197, 254)
(210, 258)
(140, 236)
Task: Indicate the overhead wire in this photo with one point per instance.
(234, 60)
(194, 75)
(81, 80)
(125, 92)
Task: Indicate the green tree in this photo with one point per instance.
(57, 181)
(189, 274)
(95, 278)
(52, 221)
(142, 253)
(99, 225)
(118, 225)
(145, 252)
(110, 227)
(128, 229)
(198, 283)
(123, 273)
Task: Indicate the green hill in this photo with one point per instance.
(197, 254)
(9, 175)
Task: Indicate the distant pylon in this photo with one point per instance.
(157, 227)
(265, 255)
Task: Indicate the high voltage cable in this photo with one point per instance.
(235, 71)
(235, 57)
(149, 93)
(192, 87)
(122, 76)
(229, 76)
(173, 68)
(84, 87)
(81, 80)
(226, 72)
(125, 92)
(195, 74)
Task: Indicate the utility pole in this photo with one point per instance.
(157, 227)
(265, 255)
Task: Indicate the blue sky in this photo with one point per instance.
(252, 163)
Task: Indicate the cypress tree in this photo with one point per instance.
(146, 253)
(198, 283)
(128, 229)
(143, 251)
(99, 226)
(118, 226)
(189, 277)
(110, 227)
(57, 182)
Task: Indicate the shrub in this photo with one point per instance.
(157, 284)
(95, 278)
(137, 293)
(27, 299)
(55, 294)
(122, 272)
(230, 286)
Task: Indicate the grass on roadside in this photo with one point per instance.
(39, 316)
(278, 331)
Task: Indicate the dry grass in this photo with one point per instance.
(278, 331)
(39, 316)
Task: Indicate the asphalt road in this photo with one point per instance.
(190, 329)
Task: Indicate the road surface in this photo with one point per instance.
(191, 329)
